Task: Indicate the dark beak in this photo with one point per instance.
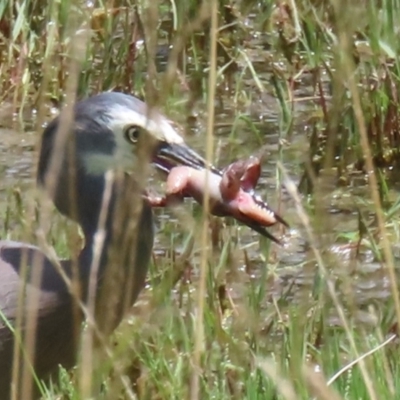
(170, 155)
(255, 226)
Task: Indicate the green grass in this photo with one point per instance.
(258, 342)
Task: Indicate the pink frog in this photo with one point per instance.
(230, 194)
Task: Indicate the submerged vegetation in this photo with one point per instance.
(314, 85)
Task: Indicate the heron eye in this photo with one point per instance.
(132, 133)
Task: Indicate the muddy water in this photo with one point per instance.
(291, 271)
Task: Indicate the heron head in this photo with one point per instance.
(117, 126)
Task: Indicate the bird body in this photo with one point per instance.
(57, 326)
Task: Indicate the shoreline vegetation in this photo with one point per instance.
(232, 74)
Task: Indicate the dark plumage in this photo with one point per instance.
(79, 194)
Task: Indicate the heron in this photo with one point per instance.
(92, 164)
(102, 136)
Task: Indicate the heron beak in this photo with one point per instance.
(170, 155)
(260, 228)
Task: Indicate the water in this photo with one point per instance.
(292, 270)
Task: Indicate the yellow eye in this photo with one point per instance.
(132, 133)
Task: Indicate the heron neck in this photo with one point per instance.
(98, 236)
(103, 235)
